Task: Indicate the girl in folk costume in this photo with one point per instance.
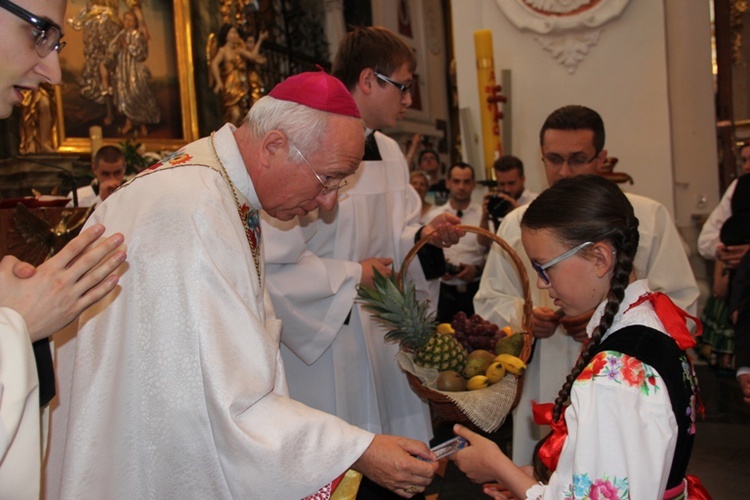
(624, 421)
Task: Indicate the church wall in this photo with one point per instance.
(653, 92)
(428, 39)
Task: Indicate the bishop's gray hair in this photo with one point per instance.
(304, 126)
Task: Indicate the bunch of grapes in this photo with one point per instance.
(475, 332)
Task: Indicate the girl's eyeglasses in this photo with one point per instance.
(540, 269)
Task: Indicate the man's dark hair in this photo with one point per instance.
(110, 154)
(372, 47)
(428, 151)
(506, 163)
(461, 165)
(575, 117)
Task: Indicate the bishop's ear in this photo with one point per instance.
(273, 144)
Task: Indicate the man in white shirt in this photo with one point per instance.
(34, 303)
(511, 180)
(709, 244)
(572, 143)
(510, 192)
(465, 259)
(108, 167)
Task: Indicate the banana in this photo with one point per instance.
(444, 328)
(512, 364)
(495, 372)
(477, 382)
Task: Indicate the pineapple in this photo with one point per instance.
(410, 325)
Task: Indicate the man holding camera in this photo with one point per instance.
(511, 192)
(465, 259)
(511, 181)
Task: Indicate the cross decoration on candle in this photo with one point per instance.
(489, 96)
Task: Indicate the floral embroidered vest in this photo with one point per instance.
(660, 351)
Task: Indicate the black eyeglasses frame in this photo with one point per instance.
(43, 25)
(404, 88)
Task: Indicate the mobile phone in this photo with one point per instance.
(449, 447)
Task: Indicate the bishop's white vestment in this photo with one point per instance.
(334, 352)
(177, 387)
(661, 258)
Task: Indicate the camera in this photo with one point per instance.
(452, 269)
(498, 207)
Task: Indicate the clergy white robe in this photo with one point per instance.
(86, 197)
(661, 258)
(20, 449)
(177, 387)
(313, 270)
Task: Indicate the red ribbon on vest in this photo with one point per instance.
(674, 320)
(696, 490)
(672, 317)
(549, 452)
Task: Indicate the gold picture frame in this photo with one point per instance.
(170, 62)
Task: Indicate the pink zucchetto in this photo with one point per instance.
(317, 90)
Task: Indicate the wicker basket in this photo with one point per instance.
(442, 406)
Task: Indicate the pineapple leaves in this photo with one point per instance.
(399, 311)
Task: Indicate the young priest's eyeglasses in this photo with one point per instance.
(326, 182)
(48, 35)
(405, 88)
(576, 161)
(540, 269)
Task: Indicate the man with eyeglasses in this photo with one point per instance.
(572, 143)
(175, 387)
(334, 352)
(35, 303)
(31, 39)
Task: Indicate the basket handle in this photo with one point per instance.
(527, 304)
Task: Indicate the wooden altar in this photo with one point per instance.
(33, 234)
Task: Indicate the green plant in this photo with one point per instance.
(135, 161)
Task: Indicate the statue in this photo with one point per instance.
(38, 128)
(100, 22)
(257, 87)
(132, 94)
(230, 74)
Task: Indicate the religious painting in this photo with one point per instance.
(126, 75)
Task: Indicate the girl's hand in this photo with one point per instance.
(497, 491)
(478, 460)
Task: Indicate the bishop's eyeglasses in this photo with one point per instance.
(326, 182)
(48, 35)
